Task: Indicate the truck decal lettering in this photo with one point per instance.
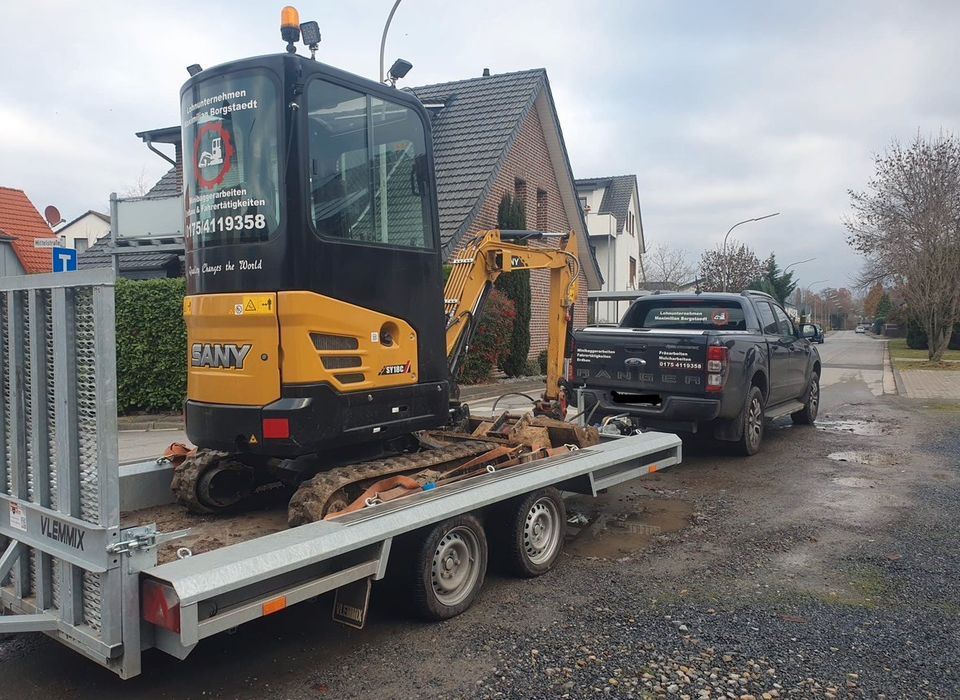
(61, 532)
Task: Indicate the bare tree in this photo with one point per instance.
(907, 225)
(734, 269)
(139, 187)
(666, 264)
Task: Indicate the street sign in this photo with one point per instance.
(44, 242)
(64, 260)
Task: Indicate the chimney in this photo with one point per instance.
(486, 72)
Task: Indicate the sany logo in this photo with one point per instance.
(226, 356)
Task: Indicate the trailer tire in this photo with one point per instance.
(532, 533)
(450, 563)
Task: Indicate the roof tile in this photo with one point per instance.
(21, 220)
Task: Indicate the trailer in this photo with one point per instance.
(82, 558)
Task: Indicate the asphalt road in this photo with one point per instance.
(825, 566)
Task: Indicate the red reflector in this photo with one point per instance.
(276, 428)
(160, 605)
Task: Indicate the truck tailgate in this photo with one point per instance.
(641, 362)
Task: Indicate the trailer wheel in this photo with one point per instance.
(450, 565)
(533, 532)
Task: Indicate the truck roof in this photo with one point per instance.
(693, 296)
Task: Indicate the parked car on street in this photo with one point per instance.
(700, 363)
(819, 336)
(861, 329)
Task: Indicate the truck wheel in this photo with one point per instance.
(533, 532)
(751, 418)
(450, 565)
(808, 415)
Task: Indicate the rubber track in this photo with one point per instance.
(187, 474)
(308, 502)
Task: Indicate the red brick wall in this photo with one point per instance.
(529, 160)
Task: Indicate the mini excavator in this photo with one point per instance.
(323, 342)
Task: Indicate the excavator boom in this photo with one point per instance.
(490, 254)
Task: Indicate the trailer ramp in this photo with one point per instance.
(59, 479)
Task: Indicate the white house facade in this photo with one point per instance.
(81, 233)
(612, 209)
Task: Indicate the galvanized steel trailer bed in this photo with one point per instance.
(68, 569)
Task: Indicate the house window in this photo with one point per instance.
(542, 224)
(80, 244)
(633, 273)
(520, 192)
(630, 223)
(583, 203)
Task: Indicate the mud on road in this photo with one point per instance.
(795, 573)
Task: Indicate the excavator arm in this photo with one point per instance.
(487, 256)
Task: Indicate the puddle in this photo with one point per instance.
(853, 427)
(860, 457)
(616, 529)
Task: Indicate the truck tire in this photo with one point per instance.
(450, 563)
(532, 533)
(808, 415)
(751, 420)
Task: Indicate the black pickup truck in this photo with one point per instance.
(699, 363)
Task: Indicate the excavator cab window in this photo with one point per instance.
(231, 168)
(367, 170)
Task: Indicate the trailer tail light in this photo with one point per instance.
(160, 605)
(276, 428)
(716, 367)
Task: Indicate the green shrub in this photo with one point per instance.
(151, 345)
(542, 361)
(516, 285)
(491, 340)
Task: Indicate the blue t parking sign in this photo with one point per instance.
(64, 260)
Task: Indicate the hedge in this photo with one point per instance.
(151, 345)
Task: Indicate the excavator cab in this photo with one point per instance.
(314, 304)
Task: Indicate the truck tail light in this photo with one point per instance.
(160, 605)
(716, 367)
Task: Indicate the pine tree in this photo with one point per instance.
(516, 286)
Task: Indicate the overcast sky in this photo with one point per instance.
(724, 110)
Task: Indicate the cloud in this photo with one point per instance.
(723, 110)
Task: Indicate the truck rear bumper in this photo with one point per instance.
(677, 412)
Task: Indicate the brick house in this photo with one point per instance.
(491, 135)
(499, 134)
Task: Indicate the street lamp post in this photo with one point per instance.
(806, 294)
(799, 262)
(739, 223)
(383, 38)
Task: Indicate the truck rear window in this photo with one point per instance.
(703, 315)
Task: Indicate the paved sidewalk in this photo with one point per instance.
(931, 383)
